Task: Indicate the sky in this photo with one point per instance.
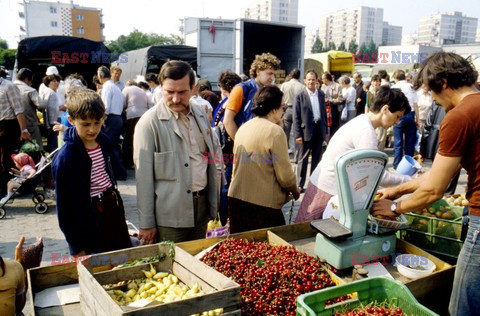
(163, 16)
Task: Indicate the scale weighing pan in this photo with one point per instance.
(331, 228)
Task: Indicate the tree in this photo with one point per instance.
(137, 39)
(372, 48)
(363, 48)
(3, 44)
(352, 46)
(317, 46)
(7, 58)
(331, 46)
(342, 47)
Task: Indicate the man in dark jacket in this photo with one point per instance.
(361, 95)
(310, 126)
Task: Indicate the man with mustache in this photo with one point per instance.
(177, 188)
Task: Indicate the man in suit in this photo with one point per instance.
(310, 126)
(361, 99)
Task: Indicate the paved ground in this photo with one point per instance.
(21, 219)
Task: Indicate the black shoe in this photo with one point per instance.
(302, 190)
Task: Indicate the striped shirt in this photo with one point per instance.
(100, 180)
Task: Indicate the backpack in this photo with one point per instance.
(249, 87)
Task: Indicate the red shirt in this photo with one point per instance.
(460, 137)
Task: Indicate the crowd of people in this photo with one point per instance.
(199, 156)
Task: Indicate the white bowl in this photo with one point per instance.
(414, 266)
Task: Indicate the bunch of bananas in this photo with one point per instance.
(158, 286)
(214, 223)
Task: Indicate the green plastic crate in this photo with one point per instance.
(451, 228)
(446, 246)
(367, 290)
(419, 239)
(431, 243)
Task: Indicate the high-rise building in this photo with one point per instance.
(57, 18)
(391, 34)
(283, 11)
(448, 28)
(360, 24)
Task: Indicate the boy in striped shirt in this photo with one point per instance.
(89, 207)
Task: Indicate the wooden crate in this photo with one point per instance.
(42, 278)
(221, 292)
(302, 236)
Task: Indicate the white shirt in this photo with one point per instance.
(425, 101)
(150, 99)
(315, 104)
(201, 102)
(350, 95)
(408, 91)
(157, 94)
(112, 98)
(355, 134)
(60, 94)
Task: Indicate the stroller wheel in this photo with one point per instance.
(2, 212)
(41, 208)
(38, 198)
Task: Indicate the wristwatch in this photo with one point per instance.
(393, 208)
(25, 130)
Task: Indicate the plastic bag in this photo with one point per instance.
(344, 115)
(215, 229)
(30, 147)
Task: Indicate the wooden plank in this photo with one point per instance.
(275, 240)
(196, 246)
(45, 277)
(31, 293)
(100, 262)
(192, 305)
(95, 300)
(190, 279)
(200, 269)
(294, 231)
(135, 272)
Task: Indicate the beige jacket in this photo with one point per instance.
(262, 173)
(163, 174)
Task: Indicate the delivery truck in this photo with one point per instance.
(137, 63)
(232, 45)
(69, 54)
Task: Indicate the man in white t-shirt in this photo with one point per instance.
(405, 132)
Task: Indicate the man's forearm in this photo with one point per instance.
(411, 186)
(21, 121)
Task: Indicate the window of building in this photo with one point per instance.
(80, 17)
(53, 10)
(53, 23)
(80, 30)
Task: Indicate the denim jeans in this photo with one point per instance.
(407, 129)
(465, 298)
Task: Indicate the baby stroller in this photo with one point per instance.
(30, 186)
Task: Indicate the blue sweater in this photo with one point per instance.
(72, 168)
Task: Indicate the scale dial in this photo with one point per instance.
(363, 177)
